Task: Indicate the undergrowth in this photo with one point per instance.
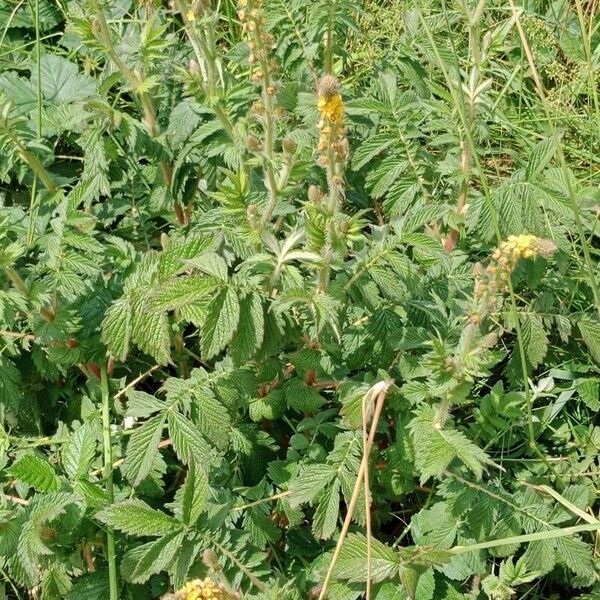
(299, 300)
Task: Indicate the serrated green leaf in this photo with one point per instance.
(116, 329)
(436, 447)
(221, 322)
(137, 518)
(151, 558)
(61, 81)
(590, 331)
(589, 392)
(35, 472)
(142, 405)
(11, 385)
(142, 449)
(326, 514)
(187, 440)
(576, 554)
(212, 418)
(534, 338)
(539, 157)
(310, 482)
(250, 332)
(179, 293)
(56, 583)
(385, 562)
(370, 148)
(79, 452)
(192, 495)
(211, 264)
(268, 407)
(90, 586)
(150, 330)
(173, 259)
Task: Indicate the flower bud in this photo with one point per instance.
(489, 340)
(289, 146)
(328, 86)
(210, 559)
(253, 144)
(314, 193)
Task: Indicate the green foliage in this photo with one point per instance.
(255, 334)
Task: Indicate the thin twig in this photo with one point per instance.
(380, 391)
(117, 463)
(262, 501)
(17, 334)
(367, 501)
(16, 499)
(135, 381)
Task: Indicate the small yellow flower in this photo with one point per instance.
(331, 108)
(190, 16)
(204, 589)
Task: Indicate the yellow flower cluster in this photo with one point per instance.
(494, 278)
(523, 246)
(333, 143)
(203, 589)
(331, 108)
(258, 39)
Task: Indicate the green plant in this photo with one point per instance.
(288, 311)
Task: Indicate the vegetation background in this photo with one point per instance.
(299, 300)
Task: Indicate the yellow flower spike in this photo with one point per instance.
(504, 261)
(190, 16)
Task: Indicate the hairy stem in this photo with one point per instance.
(204, 50)
(328, 58)
(34, 203)
(31, 159)
(270, 181)
(367, 491)
(108, 479)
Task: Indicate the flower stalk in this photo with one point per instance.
(260, 42)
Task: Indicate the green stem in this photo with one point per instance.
(16, 280)
(443, 412)
(38, 68)
(108, 478)
(204, 51)
(529, 537)
(31, 159)
(328, 66)
(33, 203)
(270, 181)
